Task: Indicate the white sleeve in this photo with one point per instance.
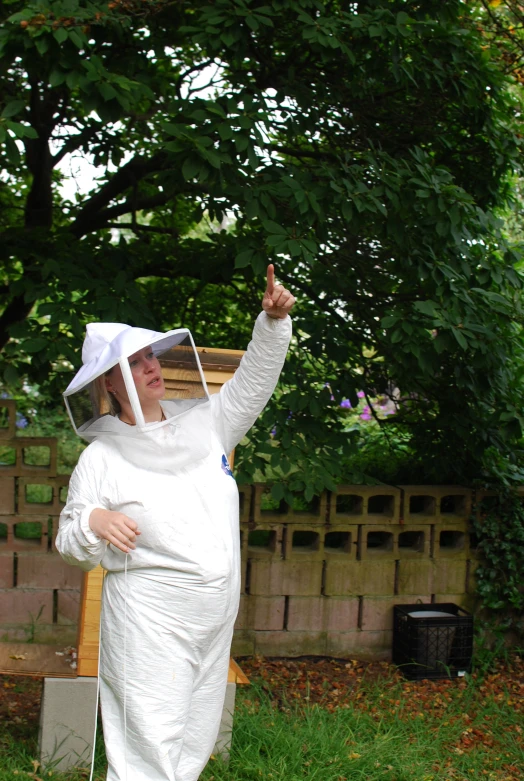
(242, 398)
(76, 542)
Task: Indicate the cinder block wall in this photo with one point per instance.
(323, 580)
(317, 580)
(39, 592)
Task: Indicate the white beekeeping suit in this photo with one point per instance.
(169, 606)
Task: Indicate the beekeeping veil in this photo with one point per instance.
(167, 444)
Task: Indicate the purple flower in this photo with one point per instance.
(345, 404)
(21, 422)
(365, 416)
(273, 432)
(361, 395)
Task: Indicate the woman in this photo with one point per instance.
(153, 500)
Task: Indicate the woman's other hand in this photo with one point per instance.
(277, 301)
(114, 527)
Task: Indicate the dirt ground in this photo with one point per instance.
(337, 682)
(332, 683)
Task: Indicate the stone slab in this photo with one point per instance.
(225, 732)
(67, 722)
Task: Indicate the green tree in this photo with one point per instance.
(362, 146)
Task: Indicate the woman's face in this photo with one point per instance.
(147, 375)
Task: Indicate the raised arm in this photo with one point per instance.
(242, 399)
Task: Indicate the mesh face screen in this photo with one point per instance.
(83, 405)
(182, 380)
(181, 373)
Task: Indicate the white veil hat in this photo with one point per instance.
(110, 344)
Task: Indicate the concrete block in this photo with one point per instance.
(7, 495)
(22, 606)
(290, 578)
(341, 542)
(262, 541)
(8, 431)
(432, 504)
(322, 614)
(27, 469)
(449, 576)
(290, 643)
(379, 542)
(47, 570)
(68, 606)
(365, 645)
(315, 513)
(303, 543)
(225, 732)
(51, 507)
(257, 612)
(343, 645)
(359, 577)
(53, 531)
(365, 504)
(415, 577)
(414, 541)
(6, 570)
(245, 493)
(67, 722)
(243, 574)
(243, 642)
(377, 612)
(451, 542)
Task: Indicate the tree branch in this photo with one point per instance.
(73, 143)
(16, 311)
(135, 170)
(138, 227)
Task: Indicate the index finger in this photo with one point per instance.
(270, 278)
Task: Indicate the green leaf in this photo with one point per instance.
(107, 91)
(35, 345)
(274, 227)
(243, 258)
(61, 35)
(13, 108)
(277, 492)
(190, 168)
(389, 320)
(11, 375)
(460, 338)
(426, 307)
(12, 150)
(42, 44)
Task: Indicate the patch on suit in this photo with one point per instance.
(226, 468)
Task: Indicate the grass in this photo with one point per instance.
(384, 729)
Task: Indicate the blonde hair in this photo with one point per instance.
(105, 402)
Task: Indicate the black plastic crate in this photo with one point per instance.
(426, 646)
